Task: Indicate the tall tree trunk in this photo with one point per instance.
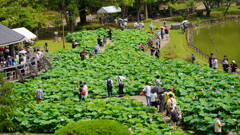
(138, 15)
(83, 16)
(208, 12)
(170, 11)
(226, 10)
(146, 10)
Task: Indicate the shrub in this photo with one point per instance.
(148, 20)
(94, 127)
(177, 19)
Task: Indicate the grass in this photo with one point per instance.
(177, 48)
(53, 46)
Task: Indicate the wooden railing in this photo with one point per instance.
(23, 71)
(190, 30)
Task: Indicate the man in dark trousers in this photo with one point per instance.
(210, 60)
(233, 67)
(109, 86)
(120, 79)
(110, 34)
(99, 41)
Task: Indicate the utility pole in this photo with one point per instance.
(62, 16)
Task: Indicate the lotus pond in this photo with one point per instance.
(222, 38)
(201, 92)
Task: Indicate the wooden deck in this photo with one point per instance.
(20, 72)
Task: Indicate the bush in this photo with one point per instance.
(95, 26)
(148, 20)
(177, 19)
(94, 127)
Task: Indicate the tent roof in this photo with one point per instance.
(8, 36)
(109, 9)
(26, 33)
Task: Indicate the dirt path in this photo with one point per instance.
(166, 118)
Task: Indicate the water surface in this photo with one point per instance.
(221, 38)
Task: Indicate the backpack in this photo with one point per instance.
(109, 83)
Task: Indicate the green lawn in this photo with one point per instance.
(177, 48)
(53, 45)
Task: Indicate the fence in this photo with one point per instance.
(189, 33)
(23, 71)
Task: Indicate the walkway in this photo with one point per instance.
(166, 118)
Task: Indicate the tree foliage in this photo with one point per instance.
(6, 106)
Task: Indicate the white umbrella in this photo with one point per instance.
(23, 51)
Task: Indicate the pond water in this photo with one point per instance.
(221, 38)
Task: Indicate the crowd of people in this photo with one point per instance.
(101, 42)
(213, 63)
(21, 56)
(163, 99)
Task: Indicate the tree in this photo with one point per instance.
(209, 4)
(21, 13)
(124, 4)
(86, 5)
(7, 106)
(139, 4)
(228, 4)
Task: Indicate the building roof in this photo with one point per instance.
(109, 10)
(8, 36)
(26, 33)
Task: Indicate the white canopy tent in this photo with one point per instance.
(26, 33)
(109, 10)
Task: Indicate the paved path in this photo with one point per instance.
(166, 118)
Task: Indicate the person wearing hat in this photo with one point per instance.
(171, 105)
(109, 86)
(218, 125)
(233, 67)
(169, 93)
(147, 91)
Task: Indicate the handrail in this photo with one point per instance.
(190, 29)
(23, 71)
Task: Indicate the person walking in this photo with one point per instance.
(109, 86)
(84, 93)
(162, 95)
(170, 92)
(120, 79)
(162, 33)
(151, 27)
(46, 47)
(171, 104)
(83, 54)
(210, 60)
(158, 43)
(104, 40)
(215, 63)
(218, 125)
(110, 34)
(157, 82)
(234, 66)
(225, 64)
(96, 48)
(147, 91)
(154, 99)
(39, 95)
(193, 58)
(81, 84)
(99, 41)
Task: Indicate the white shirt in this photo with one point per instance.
(147, 90)
(153, 97)
(215, 63)
(120, 79)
